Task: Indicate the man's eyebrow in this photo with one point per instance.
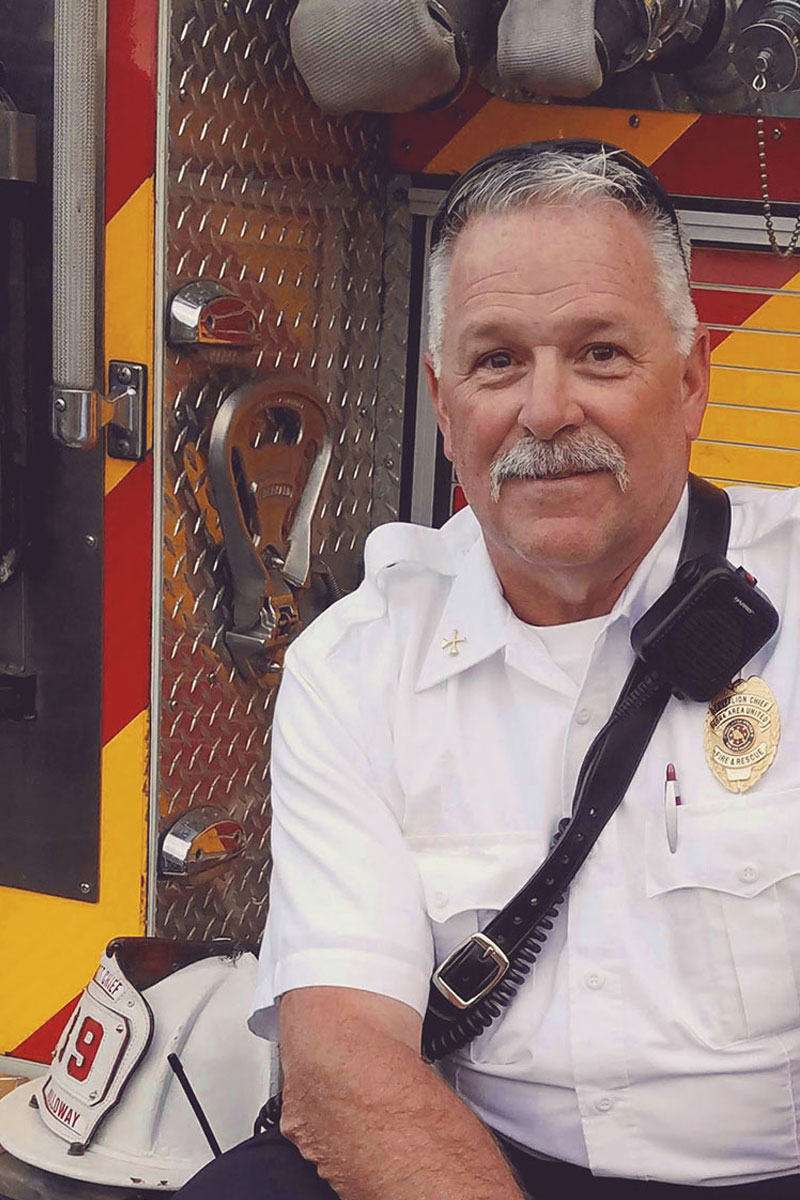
(482, 330)
(492, 328)
(599, 323)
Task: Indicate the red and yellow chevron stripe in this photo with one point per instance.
(52, 945)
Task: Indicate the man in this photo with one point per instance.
(430, 731)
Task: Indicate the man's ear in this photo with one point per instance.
(442, 416)
(695, 382)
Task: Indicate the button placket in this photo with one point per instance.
(584, 725)
(597, 1018)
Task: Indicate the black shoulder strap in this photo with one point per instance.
(481, 976)
(708, 523)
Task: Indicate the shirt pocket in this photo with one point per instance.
(729, 899)
(466, 881)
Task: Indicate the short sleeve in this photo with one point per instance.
(346, 901)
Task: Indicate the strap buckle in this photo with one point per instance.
(477, 964)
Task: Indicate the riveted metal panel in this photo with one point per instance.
(285, 208)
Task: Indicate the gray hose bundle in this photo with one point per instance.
(547, 47)
(376, 55)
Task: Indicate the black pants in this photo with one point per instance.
(269, 1168)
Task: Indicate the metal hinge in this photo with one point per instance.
(75, 415)
(127, 391)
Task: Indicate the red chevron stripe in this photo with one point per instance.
(717, 156)
(127, 598)
(39, 1046)
(415, 138)
(130, 98)
(744, 268)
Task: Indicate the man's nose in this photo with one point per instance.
(548, 402)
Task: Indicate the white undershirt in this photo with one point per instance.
(570, 646)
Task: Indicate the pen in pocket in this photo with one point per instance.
(672, 799)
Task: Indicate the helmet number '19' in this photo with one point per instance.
(87, 1044)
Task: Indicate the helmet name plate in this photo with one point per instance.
(96, 1056)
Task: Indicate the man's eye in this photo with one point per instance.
(603, 352)
(498, 361)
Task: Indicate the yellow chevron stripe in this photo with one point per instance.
(760, 351)
(129, 289)
(755, 389)
(759, 441)
(746, 464)
(500, 123)
(752, 427)
(51, 946)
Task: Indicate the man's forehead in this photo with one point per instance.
(535, 219)
(530, 273)
(603, 239)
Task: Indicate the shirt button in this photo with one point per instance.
(583, 715)
(594, 980)
(440, 899)
(748, 873)
(604, 1103)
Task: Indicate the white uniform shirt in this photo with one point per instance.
(415, 791)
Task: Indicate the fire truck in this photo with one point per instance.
(214, 218)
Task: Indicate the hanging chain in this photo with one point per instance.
(759, 84)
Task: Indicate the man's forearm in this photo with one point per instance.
(381, 1125)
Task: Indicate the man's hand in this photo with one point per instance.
(379, 1123)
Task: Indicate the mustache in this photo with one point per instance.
(579, 452)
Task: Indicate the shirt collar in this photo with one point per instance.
(475, 619)
(655, 572)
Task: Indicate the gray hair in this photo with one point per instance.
(564, 177)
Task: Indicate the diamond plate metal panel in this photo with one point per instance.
(284, 207)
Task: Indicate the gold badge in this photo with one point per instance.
(743, 728)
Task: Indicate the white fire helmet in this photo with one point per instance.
(112, 1110)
